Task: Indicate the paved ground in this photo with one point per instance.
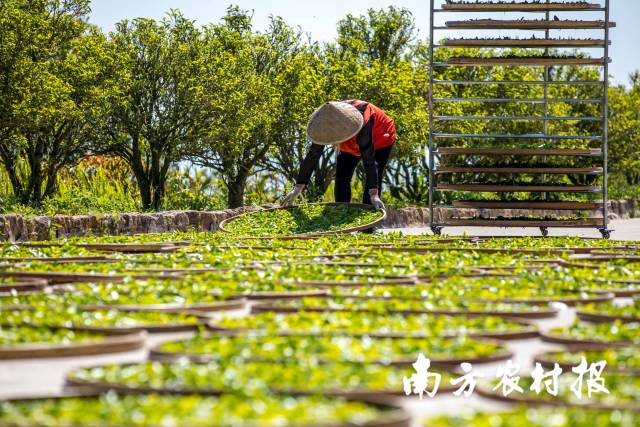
(623, 230)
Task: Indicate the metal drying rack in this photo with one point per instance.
(440, 142)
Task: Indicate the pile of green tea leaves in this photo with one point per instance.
(346, 348)
(618, 360)
(604, 333)
(302, 219)
(305, 375)
(73, 318)
(431, 300)
(194, 411)
(623, 390)
(629, 312)
(552, 417)
(11, 336)
(362, 323)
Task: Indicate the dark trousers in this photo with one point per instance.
(345, 169)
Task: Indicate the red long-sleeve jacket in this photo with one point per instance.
(383, 128)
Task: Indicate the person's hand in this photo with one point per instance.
(377, 203)
(291, 197)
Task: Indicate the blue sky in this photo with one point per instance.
(319, 18)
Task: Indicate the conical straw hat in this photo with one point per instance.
(334, 123)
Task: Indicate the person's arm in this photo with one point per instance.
(367, 150)
(309, 164)
(304, 175)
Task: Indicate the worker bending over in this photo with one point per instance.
(358, 130)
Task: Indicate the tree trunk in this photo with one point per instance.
(144, 186)
(236, 188)
(145, 193)
(137, 167)
(158, 190)
(52, 181)
(16, 185)
(33, 195)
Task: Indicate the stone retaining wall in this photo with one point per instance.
(37, 228)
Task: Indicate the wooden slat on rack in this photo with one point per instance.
(524, 42)
(570, 206)
(519, 188)
(512, 24)
(520, 7)
(586, 222)
(519, 151)
(520, 170)
(527, 61)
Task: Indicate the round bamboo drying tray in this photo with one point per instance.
(226, 222)
(115, 343)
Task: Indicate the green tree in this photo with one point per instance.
(624, 130)
(377, 58)
(244, 97)
(302, 92)
(380, 35)
(50, 83)
(152, 113)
